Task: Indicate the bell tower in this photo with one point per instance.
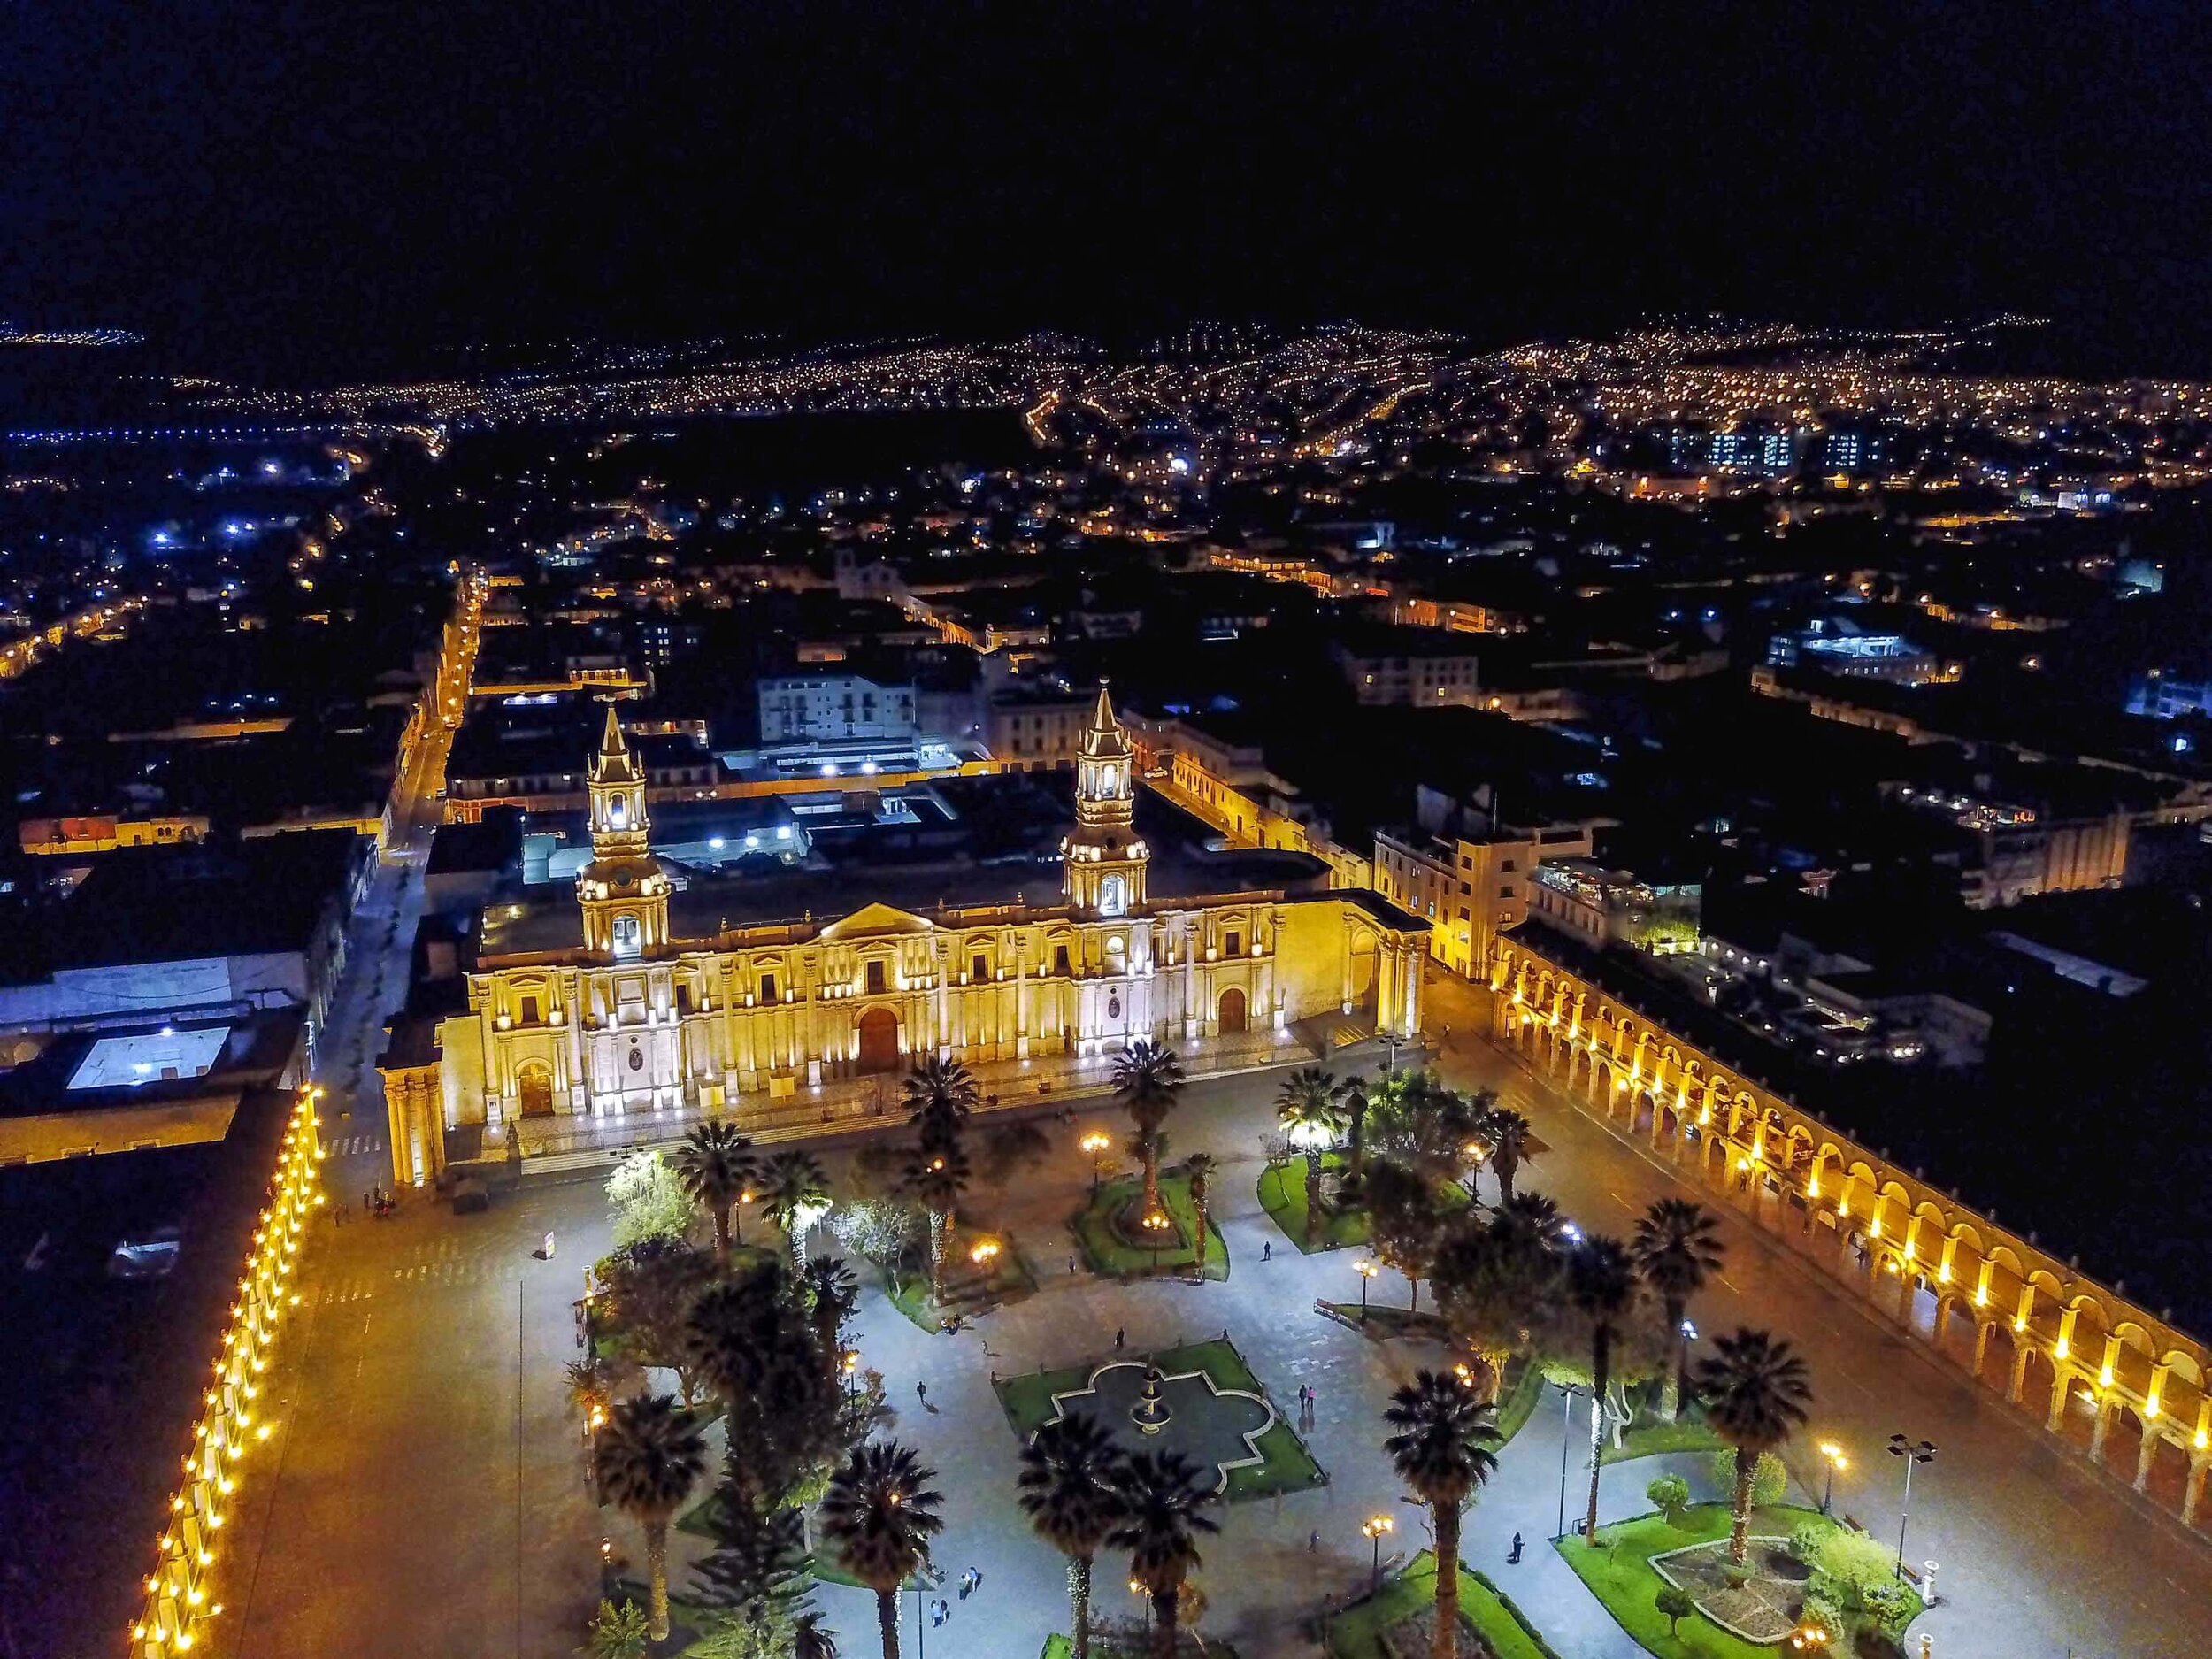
(623, 891)
(1104, 856)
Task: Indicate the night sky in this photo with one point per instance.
(342, 186)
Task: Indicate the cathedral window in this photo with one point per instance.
(1060, 960)
(529, 1015)
(1232, 943)
(876, 983)
(980, 969)
(767, 987)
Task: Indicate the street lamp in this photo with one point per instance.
(852, 1372)
(1366, 1271)
(1136, 1587)
(1155, 1224)
(1375, 1527)
(1922, 1453)
(1095, 1143)
(1809, 1639)
(983, 1254)
(1567, 1392)
(1832, 1456)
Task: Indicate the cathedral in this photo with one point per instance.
(757, 1017)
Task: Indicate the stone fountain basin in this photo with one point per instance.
(1216, 1428)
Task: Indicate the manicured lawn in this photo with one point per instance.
(1057, 1646)
(1283, 1195)
(1107, 1252)
(1288, 1466)
(1357, 1632)
(1381, 1322)
(1518, 1400)
(1649, 1436)
(967, 1291)
(1619, 1573)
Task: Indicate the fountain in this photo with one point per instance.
(1151, 1413)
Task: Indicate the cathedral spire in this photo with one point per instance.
(1105, 858)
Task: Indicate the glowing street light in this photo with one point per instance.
(1809, 1639)
(1376, 1527)
(1832, 1456)
(1095, 1143)
(983, 1254)
(1155, 1224)
(1366, 1271)
(852, 1372)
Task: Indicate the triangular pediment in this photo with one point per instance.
(873, 919)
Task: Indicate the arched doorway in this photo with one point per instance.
(1231, 1011)
(879, 1040)
(533, 1087)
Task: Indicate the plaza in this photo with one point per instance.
(431, 1498)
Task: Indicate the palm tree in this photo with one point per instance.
(809, 1641)
(1509, 1134)
(715, 1164)
(1159, 1525)
(1677, 1247)
(1070, 1491)
(594, 1382)
(1443, 1452)
(1201, 1167)
(939, 1096)
(1353, 1093)
(935, 1179)
(1601, 1283)
(795, 1193)
(1147, 1080)
(1754, 1393)
(880, 1512)
(834, 1294)
(1531, 1217)
(1306, 1106)
(649, 1458)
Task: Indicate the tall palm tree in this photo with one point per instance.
(1306, 1106)
(1353, 1093)
(795, 1192)
(809, 1641)
(1601, 1283)
(715, 1164)
(1069, 1490)
(1202, 1169)
(1509, 1134)
(1148, 1081)
(935, 1179)
(939, 1096)
(1443, 1452)
(834, 1294)
(880, 1513)
(649, 1459)
(1756, 1393)
(1531, 1217)
(1162, 1517)
(1677, 1248)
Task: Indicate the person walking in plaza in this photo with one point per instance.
(1120, 1337)
(921, 1392)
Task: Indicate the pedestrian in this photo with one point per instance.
(965, 1586)
(1120, 1337)
(921, 1393)
(1070, 1265)
(365, 1203)
(1313, 1542)
(1516, 1556)
(975, 1578)
(1267, 1249)
(937, 1614)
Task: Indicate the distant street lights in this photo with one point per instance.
(1924, 1452)
(1376, 1527)
(1832, 1456)
(1095, 1143)
(1366, 1271)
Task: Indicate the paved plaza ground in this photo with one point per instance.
(430, 1499)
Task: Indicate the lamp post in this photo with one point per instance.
(1376, 1527)
(1832, 1456)
(1567, 1392)
(1921, 1452)
(852, 1378)
(1095, 1143)
(1136, 1587)
(1809, 1639)
(1391, 1042)
(983, 1254)
(1156, 1224)
(1366, 1271)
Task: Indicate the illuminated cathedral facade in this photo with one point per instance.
(760, 1016)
